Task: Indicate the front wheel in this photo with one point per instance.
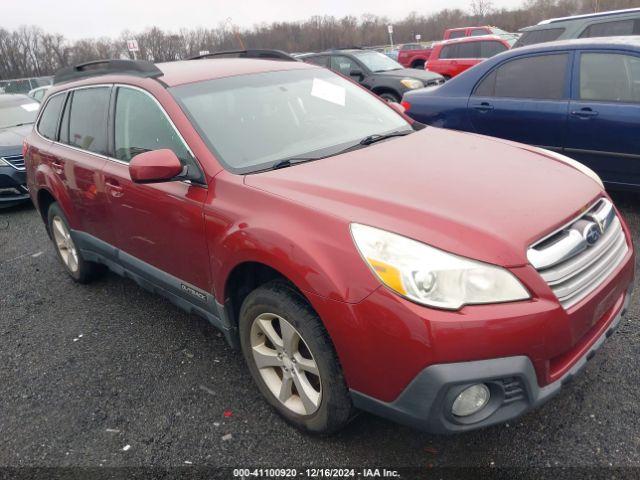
(292, 360)
(390, 97)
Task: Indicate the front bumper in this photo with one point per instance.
(13, 186)
(426, 402)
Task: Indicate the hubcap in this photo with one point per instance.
(286, 364)
(65, 245)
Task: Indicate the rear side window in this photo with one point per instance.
(491, 48)
(539, 36)
(142, 126)
(540, 77)
(609, 77)
(448, 51)
(84, 122)
(48, 125)
(611, 29)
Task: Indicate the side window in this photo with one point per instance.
(539, 36)
(477, 32)
(521, 78)
(457, 34)
(48, 124)
(343, 65)
(609, 29)
(84, 122)
(609, 77)
(469, 50)
(322, 61)
(448, 51)
(142, 126)
(491, 48)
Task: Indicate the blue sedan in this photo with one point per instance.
(576, 97)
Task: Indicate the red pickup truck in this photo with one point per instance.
(462, 32)
(414, 55)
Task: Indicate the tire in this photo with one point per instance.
(79, 269)
(390, 97)
(269, 305)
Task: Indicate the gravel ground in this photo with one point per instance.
(110, 375)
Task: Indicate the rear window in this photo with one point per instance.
(84, 123)
(539, 36)
(491, 48)
(476, 32)
(612, 29)
(48, 124)
(521, 78)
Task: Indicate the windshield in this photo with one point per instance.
(16, 113)
(377, 62)
(252, 121)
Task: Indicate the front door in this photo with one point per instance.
(513, 101)
(604, 121)
(159, 226)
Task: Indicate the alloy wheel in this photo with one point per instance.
(64, 244)
(286, 364)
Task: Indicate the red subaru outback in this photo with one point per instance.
(301, 215)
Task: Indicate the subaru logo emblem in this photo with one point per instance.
(592, 234)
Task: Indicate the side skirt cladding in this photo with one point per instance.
(185, 296)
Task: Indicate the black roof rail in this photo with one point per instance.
(610, 13)
(140, 68)
(264, 54)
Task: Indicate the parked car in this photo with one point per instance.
(23, 85)
(39, 93)
(588, 105)
(17, 114)
(604, 24)
(462, 32)
(452, 57)
(449, 292)
(375, 71)
(414, 55)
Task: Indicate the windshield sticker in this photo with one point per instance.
(329, 92)
(31, 107)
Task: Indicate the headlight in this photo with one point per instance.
(411, 83)
(431, 276)
(571, 162)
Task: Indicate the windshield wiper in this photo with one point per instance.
(377, 137)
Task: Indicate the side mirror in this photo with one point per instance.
(155, 166)
(356, 73)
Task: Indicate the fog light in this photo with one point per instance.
(471, 400)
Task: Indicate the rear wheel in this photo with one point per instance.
(81, 270)
(291, 359)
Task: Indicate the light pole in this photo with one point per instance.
(390, 30)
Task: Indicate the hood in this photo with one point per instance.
(11, 139)
(464, 193)
(424, 75)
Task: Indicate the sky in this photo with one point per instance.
(94, 18)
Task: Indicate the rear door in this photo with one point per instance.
(160, 226)
(525, 99)
(78, 157)
(604, 120)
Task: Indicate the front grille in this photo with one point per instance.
(576, 259)
(16, 161)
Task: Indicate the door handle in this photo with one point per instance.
(584, 113)
(483, 107)
(57, 166)
(114, 188)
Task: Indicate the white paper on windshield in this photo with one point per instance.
(328, 91)
(31, 107)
